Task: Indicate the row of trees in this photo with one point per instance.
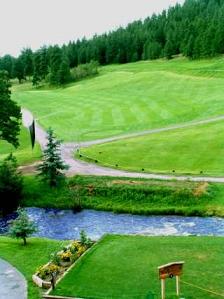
(49, 65)
(195, 29)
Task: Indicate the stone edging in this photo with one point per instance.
(47, 284)
(46, 294)
(58, 297)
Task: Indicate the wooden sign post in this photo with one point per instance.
(169, 271)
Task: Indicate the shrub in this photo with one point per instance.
(85, 70)
(74, 247)
(11, 185)
(55, 258)
(66, 256)
(84, 240)
(46, 271)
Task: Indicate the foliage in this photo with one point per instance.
(59, 260)
(55, 60)
(134, 196)
(64, 75)
(18, 69)
(10, 114)
(85, 70)
(59, 67)
(7, 64)
(22, 227)
(46, 271)
(65, 256)
(11, 185)
(40, 61)
(52, 166)
(84, 240)
(55, 258)
(193, 29)
(74, 246)
(27, 61)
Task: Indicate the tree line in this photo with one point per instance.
(194, 29)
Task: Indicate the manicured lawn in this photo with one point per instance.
(24, 152)
(126, 267)
(28, 258)
(193, 150)
(123, 195)
(129, 98)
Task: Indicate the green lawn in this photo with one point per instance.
(190, 150)
(123, 195)
(24, 152)
(129, 98)
(126, 267)
(28, 258)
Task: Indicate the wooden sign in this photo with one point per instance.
(169, 271)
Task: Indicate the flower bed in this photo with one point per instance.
(47, 275)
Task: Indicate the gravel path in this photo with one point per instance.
(12, 283)
(86, 168)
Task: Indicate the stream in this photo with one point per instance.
(64, 224)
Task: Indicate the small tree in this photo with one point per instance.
(52, 167)
(22, 227)
(11, 185)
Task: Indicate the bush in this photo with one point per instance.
(65, 256)
(46, 272)
(85, 70)
(11, 185)
(84, 240)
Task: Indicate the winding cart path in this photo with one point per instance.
(12, 283)
(81, 167)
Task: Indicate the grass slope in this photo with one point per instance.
(195, 150)
(122, 195)
(28, 258)
(24, 152)
(126, 267)
(130, 97)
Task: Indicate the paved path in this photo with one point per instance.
(81, 167)
(12, 283)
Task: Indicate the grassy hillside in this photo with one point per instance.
(195, 150)
(28, 258)
(24, 153)
(130, 98)
(126, 267)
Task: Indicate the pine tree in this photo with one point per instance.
(64, 75)
(51, 170)
(152, 50)
(10, 114)
(168, 50)
(18, 69)
(55, 63)
(27, 59)
(7, 63)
